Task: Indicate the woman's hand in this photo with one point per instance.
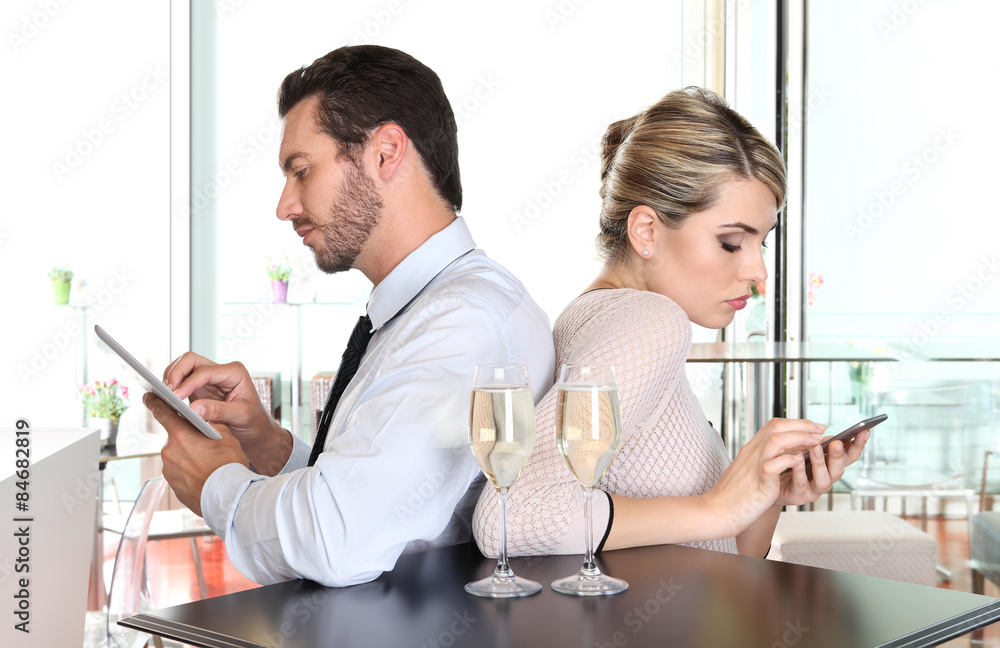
(797, 488)
(753, 482)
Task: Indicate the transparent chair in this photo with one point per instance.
(128, 593)
(920, 450)
(170, 525)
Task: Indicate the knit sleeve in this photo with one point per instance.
(646, 337)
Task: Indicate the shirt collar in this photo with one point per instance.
(417, 270)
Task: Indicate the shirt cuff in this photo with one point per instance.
(221, 494)
(299, 457)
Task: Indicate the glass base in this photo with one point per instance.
(589, 582)
(503, 586)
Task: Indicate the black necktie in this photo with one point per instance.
(348, 367)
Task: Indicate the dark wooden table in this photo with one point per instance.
(678, 596)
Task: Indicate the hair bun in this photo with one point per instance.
(617, 133)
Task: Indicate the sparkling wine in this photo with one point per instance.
(588, 429)
(502, 432)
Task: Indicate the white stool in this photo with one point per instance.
(861, 542)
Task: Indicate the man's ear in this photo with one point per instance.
(641, 230)
(388, 145)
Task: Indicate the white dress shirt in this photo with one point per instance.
(396, 473)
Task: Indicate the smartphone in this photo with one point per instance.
(152, 383)
(846, 435)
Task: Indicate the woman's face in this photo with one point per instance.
(708, 265)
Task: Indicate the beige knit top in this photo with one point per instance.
(668, 448)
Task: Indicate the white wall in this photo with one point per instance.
(85, 182)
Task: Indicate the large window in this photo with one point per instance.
(900, 161)
(86, 184)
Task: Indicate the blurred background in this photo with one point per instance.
(142, 145)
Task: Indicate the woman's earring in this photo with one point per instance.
(645, 253)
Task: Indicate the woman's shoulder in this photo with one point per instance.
(620, 305)
(624, 319)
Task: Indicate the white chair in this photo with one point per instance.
(873, 543)
(128, 593)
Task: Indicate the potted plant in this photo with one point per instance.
(61, 278)
(105, 403)
(279, 274)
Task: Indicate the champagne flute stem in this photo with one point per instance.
(588, 521)
(503, 569)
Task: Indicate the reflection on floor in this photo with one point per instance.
(173, 579)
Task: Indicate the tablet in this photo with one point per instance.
(152, 383)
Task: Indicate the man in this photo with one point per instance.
(370, 157)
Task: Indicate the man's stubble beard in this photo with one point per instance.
(353, 216)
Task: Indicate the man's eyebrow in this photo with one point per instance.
(286, 166)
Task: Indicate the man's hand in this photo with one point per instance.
(225, 394)
(189, 457)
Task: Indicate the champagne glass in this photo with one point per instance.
(502, 436)
(588, 436)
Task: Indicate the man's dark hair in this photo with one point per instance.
(362, 87)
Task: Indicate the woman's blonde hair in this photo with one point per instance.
(674, 157)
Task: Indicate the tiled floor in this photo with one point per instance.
(173, 580)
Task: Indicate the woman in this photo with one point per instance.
(690, 191)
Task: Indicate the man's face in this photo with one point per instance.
(332, 203)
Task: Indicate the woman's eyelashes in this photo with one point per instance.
(732, 243)
(732, 246)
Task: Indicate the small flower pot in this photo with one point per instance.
(60, 290)
(109, 430)
(279, 291)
